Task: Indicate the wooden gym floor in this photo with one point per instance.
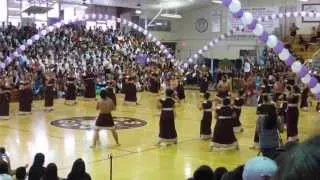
(137, 158)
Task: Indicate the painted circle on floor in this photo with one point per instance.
(88, 122)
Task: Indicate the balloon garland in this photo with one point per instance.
(18, 51)
(230, 33)
(273, 42)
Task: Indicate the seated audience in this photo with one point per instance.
(220, 171)
(78, 171)
(204, 173)
(51, 172)
(4, 171)
(21, 173)
(37, 170)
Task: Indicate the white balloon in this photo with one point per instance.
(318, 15)
(16, 54)
(162, 47)
(145, 32)
(205, 48)
(284, 54)
(22, 47)
(310, 14)
(247, 18)
(272, 41)
(196, 56)
(149, 35)
(29, 42)
(185, 65)
(288, 14)
(303, 13)
(235, 6)
(44, 32)
(281, 15)
(124, 22)
(140, 29)
(118, 20)
(211, 44)
(316, 89)
(200, 51)
(190, 60)
(216, 40)
(273, 16)
(295, 14)
(296, 66)
(130, 23)
(222, 36)
(258, 30)
(135, 26)
(306, 79)
(36, 37)
(50, 28)
(106, 16)
(158, 43)
(93, 16)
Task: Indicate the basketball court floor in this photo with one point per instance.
(65, 134)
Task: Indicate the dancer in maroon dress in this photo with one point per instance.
(130, 92)
(25, 96)
(4, 99)
(237, 105)
(49, 92)
(304, 98)
(71, 89)
(90, 85)
(168, 133)
(293, 115)
(110, 90)
(180, 90)
(206, 121)
(154, 84)
(223, 135)
(104, 121)
(204, 83)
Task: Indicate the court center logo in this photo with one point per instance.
(88, 122)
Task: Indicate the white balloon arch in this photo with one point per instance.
(273, 42)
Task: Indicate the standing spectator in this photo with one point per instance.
(204, 173)
(37, 170)
(293, 32)
(5, 158)
(78, 171)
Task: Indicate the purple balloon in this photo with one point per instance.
(303, 72)
(290, 60)
(33, 38)
(264, 36)
(226, 2)
(238, 14)
(252, 25)
(278, 48)
(313, 82)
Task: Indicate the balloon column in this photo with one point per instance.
(221, 37)
(274, 43)
(18, 52)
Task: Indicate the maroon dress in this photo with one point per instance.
(206, 121)
(49, 94)
(223, 135)
(105, 121)
(4, 102)
(71, 89)
(25, 98)
(154, 85)
(180, 91)
(90, 86)
(130, 92)
(292, 117)
(238, 103)
(167, 126)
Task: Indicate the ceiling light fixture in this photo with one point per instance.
(216, 1)
(174, 16)
(138, 11)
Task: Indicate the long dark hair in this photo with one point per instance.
(51, 172)
(78, 170)
(38, 160)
